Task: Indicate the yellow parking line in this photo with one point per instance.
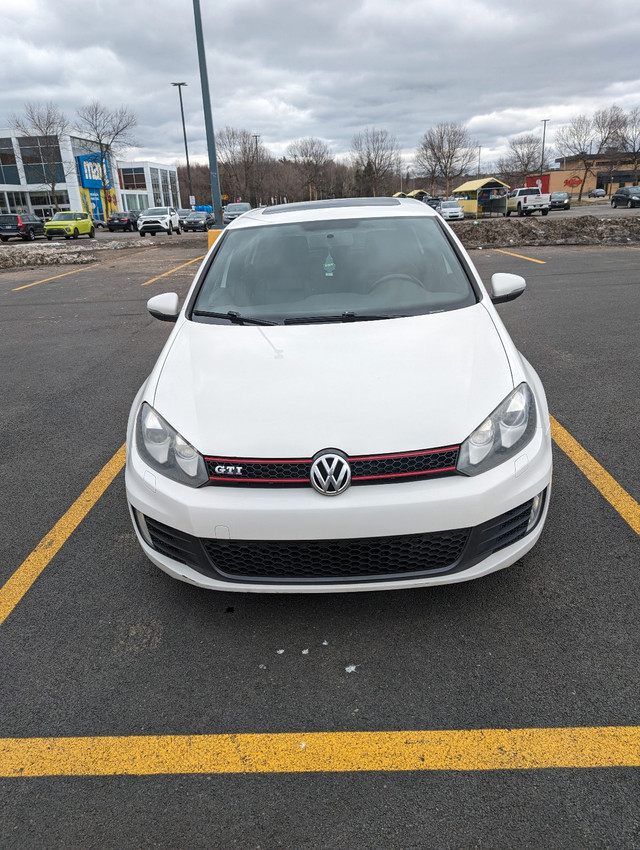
(617, 497)
(46, 279)
(520, 256)
(15, 588)
(171, 271)
(331, 752)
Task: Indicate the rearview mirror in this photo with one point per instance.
(506, 287)
(165, 307)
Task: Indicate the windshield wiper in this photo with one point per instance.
(343, 317)
(233, 317)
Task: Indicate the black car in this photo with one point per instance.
(122, 221)
(627, 196)
(434, 201)
(560, 201)
(21, 225)
(199, 221)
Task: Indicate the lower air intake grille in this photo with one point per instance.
(331, 560)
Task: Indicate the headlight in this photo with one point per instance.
(164, 449)
(502, 435)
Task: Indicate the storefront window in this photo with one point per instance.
(42, 159)
(8, 167)
(155, 185)
(132, 178)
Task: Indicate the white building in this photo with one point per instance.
(40, 173)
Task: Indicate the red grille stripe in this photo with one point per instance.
(403, 474)
(236, 460)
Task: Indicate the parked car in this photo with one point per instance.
(597, 193)
(71, 225)
(344, 350)
(526, 200)
(450, 210)
(24, 226)
(199, 221)
(628, 196)
(232, 211)
(560, 201)
(183, 214)
(123, 221)
(434, 201)
(159, 220)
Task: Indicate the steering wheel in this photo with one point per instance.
(396, 276)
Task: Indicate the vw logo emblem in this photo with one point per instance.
(330, 474)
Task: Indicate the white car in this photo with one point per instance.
(338, 408)
(450, 210)
(159, 220)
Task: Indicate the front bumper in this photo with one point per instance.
(195, 534)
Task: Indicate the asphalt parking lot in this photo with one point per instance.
(140, 712)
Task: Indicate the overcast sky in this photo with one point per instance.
(289, 69)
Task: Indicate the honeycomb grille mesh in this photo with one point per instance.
(332, 560)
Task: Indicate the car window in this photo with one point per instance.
(399, 266)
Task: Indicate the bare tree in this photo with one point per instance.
(43, 125)
(447, 148)
(588, 138)
(109, 130)
(242, 161)
(630, 138)
(310, 156)
(524, 159)
(376, 157)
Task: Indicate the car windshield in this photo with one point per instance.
(450, 204)
(196, 215)
(558, 195)
(156, 211)
(63, 217)
(238, 208)
(341, 270)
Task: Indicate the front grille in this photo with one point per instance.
(369, 469)
(335, 561)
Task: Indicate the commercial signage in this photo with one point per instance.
(91, 173)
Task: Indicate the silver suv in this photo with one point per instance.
(159, 220)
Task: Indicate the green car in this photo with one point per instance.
(70, 225)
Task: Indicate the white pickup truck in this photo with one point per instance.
(527, 200)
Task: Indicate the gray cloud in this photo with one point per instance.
(287, 69)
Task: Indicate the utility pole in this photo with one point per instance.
(544, 132)
(192, 199)
(256, 136)
(216, 200)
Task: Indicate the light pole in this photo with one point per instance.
(216, 200)
(186, 149)
(544, 132)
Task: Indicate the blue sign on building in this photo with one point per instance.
(91, 173)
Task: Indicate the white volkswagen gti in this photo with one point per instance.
(338, 408)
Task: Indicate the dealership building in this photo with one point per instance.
(39, 174)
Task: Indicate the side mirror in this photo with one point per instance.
(164, 307)
(506, 287)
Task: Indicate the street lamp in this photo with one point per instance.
(544, 132)
(186, 149)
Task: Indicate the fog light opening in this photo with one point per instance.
(143, 528)
(536, 511)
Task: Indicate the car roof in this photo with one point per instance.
(340, 208)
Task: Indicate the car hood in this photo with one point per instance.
(364, 388)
